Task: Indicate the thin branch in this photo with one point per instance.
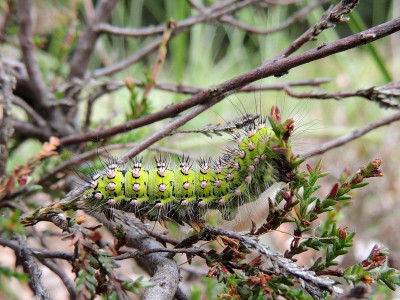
(7, 83)
(108, 87)
(174, 124)
(298, 16)
(30, 111)
(24, 9)
(273, 68)
(162, 52)
(276, 259)
(30, 130)
(32, 269)
(350, 136)
(164, 271)
(136, 254)
(385, 95)
(213, 13)
(87, 41)
(69, 285)
(40, 253)
(118, 66)
(328, 20)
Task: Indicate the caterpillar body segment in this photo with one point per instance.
(262, 156)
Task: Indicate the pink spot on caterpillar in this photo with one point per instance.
(110, 173)
(251, 146)
(238, 192)
(236, 166)
(89, 196)
(222, 202)
(111, 186)
(251, 168)
(251, 133)
(95, 176)
(94, 184)
(162, 187)
(110, 201)
(201, 203)
(242, 154)
(218, 183)
(136, 187)
(137, 165)
(184, 202)
(230, 176)
(185, 169)
(263, 157)
(98, 196)
(256, 161)
(204, 168)
(136, 173)
(158, 205)
(261, 126)
(204, 184)
(239, 140)
(134, 202)
(112, 166)
(186, 185)
(162, 171)
(248, 179)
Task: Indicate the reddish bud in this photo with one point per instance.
(334, 191)
(342, 233)
(275, 113)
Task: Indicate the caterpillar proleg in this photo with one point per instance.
(261, 156)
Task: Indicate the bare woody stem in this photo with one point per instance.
(273, 68)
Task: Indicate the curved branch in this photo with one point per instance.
(24, 8)
(385, 95)
(273, 68)
(298, 16)
(164, 271)
(350, 136)
(87, 41)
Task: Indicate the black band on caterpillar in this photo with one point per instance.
(262, 156)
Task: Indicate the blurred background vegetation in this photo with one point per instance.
(208, 54)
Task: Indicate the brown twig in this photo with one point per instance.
(118, 66)
(30, 130)
(24, 9)
(298, 16)
(350, 136)
(136, 254)
(273, 68)
(6, 129)
(30, 111)
(211, 14)
(162, 52)
(32, 269)
(174, 124)
(385, 95)
(164, 271)
(108, 87)
(87, 41)
(331, 16)
(60, 272)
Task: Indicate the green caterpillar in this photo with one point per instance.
(261, 157)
